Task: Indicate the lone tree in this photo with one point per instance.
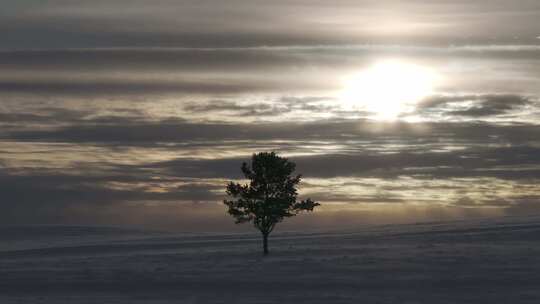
(270, 195)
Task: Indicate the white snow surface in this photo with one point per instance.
(480, 261)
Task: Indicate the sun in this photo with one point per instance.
(389, 88)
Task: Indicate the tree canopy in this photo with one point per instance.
(269, 197)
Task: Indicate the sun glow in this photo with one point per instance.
(389, 88)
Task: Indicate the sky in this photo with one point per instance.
(138, 112)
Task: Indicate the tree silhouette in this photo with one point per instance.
(270, 195)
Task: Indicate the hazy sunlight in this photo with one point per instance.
(389, 88)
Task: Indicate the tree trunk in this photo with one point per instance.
(265, 243)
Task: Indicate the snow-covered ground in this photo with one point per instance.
(488, 261)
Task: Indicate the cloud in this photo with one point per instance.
(133, 132)
(270, 58)
(149, 59)
(154, 72)
(262, 109)
(474, 106)
(59, 198)
(249, 23)
(276, 107)
(40, 195)
(525, 206)
(512, 163)
(467, 202)
(494, 105)
(365, 174)
(46, 115)
(116, 87)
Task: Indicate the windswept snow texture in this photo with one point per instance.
(495, 261)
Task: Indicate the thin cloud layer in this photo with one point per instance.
(483, 106)
(61, 24)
